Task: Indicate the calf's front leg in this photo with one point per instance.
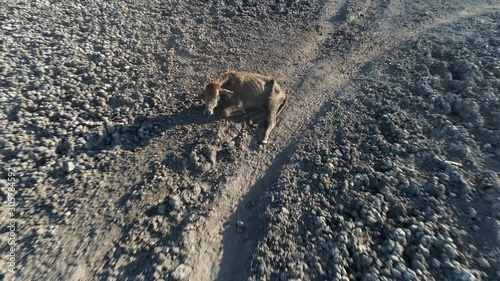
(233, 110)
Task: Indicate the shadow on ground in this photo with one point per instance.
(139, 134)
(239, 247)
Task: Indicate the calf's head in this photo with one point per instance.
(212, 94)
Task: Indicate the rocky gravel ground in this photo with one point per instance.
(404, 184)
(118, 173)
(84, 86)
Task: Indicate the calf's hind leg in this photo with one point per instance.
(259, 116)
(271, 121)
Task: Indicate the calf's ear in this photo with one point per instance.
(212, 86)
(225, 91)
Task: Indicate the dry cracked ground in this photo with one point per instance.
(384, 166)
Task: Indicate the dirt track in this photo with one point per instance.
(385, 164)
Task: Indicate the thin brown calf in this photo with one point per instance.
(243, 90)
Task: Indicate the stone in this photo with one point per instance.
(396, 274)
(174, 202)
(69, 167)
(330, 169)
(484, 263)
(240, 226)
(182, 272)
(162, 209)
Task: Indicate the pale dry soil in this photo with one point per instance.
(384, 166)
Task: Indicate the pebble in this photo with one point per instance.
(240, 226)
(69, 167)
(394, 257)
(330, 169)
(472, 212)
(484, 263)
(324, 178)
(464, 275)
(409, 276)
(317, 160)
(181, 273)
(209, 152)
(416, 264)
(319, 268)
(319, 220)
(175, 202)
(370, 220)
(398, 249)
(396, 274)
(162, 209)
(435, 263)
(400, 235)
(451, 251)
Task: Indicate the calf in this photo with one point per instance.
(237, 91)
